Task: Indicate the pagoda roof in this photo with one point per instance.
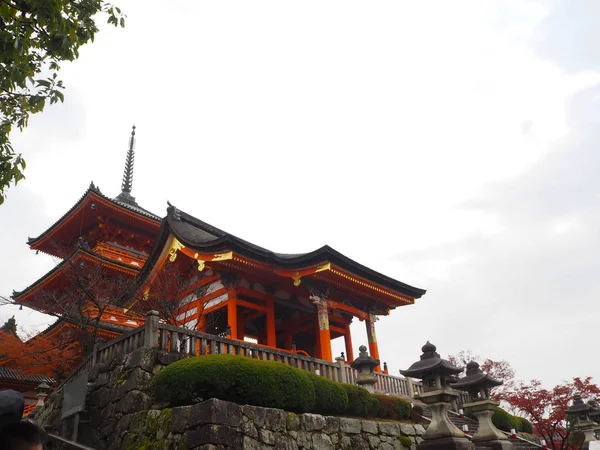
(14, 375)
(202, 237)
(23, 297)
(93, 192)
(475, 377)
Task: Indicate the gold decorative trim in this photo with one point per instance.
(175, 246)
(201, 265)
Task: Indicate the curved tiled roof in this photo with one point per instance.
(17, 375)
(201, 236)
(93, 189)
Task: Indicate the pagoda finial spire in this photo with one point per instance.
(127, 183)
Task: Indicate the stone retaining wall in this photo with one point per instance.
(120, 415)
(219, 425)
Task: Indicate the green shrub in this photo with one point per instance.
(417, 413)
(360, 402)
(394, 408)
(237, 379)
(504, 421)
(330, 397)
(373, 406)
(524, 425)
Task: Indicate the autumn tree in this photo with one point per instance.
(36, 36)
(546, 408)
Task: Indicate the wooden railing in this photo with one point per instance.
(195, 343)
(172, 339)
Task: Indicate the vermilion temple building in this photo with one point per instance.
(216, 282)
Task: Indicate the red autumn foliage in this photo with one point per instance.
(50, 355)
(546, 408)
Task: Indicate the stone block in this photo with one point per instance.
(266, 436)
(283, 442)
(304, 439)
(332, 425)
(213, 434)
(249, 429)
(138, 379)
(100, 398)
(134, 401)
(407, 429)
(368, 426)
(275, 419)
(164, 359)
(143, 358)
(359, 442)
(123, 424)
(292, 422)
(419, 429)
(312, 422)
(216, 412)
(388, 428)
(322, 442)
(250, 444)
(350, 426)
(373, 441)
(256, 414)
(179, 417)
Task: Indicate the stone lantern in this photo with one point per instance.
(365, 364)
(478, 385)
(594, 416)
(437, 373)
(579, 415)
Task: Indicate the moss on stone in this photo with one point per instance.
(405, 441)
(123, 377)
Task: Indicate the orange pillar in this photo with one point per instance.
(348, 342)
(271, 336)
(372, 338)
(324, 337)
(289, 338)
(241, 323)
(232, 313)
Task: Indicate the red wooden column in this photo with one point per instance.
(232, 317)
(241, 321)
(271, 336)
(372, 338)
(324, 336)
(348, 342)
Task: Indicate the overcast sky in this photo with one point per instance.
(451, 145)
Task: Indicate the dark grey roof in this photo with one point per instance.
(430, 363)
(202, 236)
(475, 378)
(17, 375)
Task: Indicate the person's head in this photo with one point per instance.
(22, 436)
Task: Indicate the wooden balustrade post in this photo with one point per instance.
(151, 329)
(342, 369)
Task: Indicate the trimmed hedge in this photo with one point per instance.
(360, 402)
(237, 379)
(394, 408)
(270, 384)
(330, 397)
(504, 421)
(524, 425)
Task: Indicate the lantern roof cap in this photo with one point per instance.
(431, 363)
(579, 406)
(476, 378)
(364, 359)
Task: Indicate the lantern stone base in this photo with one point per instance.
(447, 443)
(586, 429)
(487, 434)
(368, 381)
